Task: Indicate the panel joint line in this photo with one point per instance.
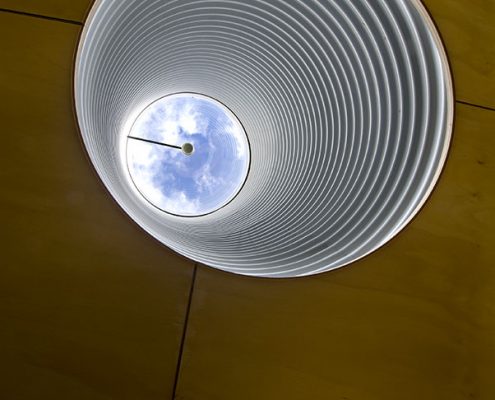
(27, 14)
(184, 332)
(475, 105)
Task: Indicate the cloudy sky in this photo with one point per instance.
(182, 184)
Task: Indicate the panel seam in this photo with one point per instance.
(475, 105)
(184, 333)
(46, 17)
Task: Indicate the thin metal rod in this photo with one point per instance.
(153, 142)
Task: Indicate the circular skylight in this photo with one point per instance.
(187, 154)
(348, 106)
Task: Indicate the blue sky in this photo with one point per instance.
(182, 184)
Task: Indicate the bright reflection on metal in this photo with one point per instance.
(194, 157)
(348, 106)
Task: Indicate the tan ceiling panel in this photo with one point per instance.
(93, 308)
(468, 29)
(66, 9)
(90, 306)
(415, 320)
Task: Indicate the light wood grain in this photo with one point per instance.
(90, 306)
(468, 29)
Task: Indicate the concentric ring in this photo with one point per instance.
(348, 107)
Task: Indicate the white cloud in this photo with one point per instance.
(141, 155)
(179, 203)
(157, 171)
(144, 173)
(206, 181)
(190, 120)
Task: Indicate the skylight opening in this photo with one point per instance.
(187, 154)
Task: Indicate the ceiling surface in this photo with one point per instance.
(91, 307)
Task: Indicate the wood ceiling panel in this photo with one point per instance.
(90, 306)
(468, 29)
(66, 9)
(414, 320)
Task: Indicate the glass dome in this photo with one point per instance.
(187, 154)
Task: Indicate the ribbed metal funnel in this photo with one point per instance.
(348, 107)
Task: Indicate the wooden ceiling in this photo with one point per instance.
(91, 307)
